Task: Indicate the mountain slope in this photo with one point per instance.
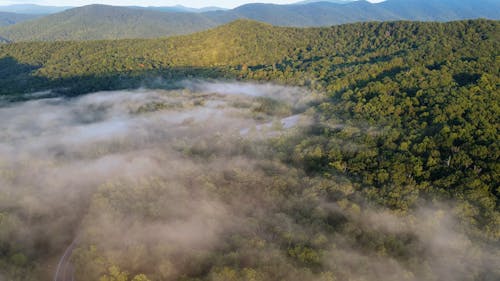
(331, 13)
(107, 22)
(13, 18)
(235, 44)
(314, 14)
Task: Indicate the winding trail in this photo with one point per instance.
(65, 270)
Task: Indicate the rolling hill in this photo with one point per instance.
(107, 22)
(313, 14)
(330, 1)
(442, 10)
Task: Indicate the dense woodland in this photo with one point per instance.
(410, 118)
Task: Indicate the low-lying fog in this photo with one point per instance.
(163, 182)
(55, 153)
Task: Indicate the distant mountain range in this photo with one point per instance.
(106, 22)
(329, 1)
(180, 9)
(109, 22)
(32, 9)
(13, 18)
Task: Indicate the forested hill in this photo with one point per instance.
(13, 18)
(256, 45)
(108, 22)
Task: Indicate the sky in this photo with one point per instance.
(188, 3)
